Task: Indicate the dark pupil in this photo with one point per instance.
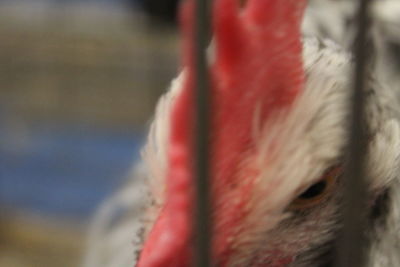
(314, 190)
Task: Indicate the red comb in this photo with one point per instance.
(257, 69)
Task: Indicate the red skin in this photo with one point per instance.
(258, 64)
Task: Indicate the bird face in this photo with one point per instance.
(280, 114)
(297, 167)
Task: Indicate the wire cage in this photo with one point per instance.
(350, 247)
(78, 83)
(83, 67)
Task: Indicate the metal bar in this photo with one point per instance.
(203, 123)
(352, 243)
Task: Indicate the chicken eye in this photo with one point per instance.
(314, 191)
(317, 192)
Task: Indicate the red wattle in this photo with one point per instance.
(257, 71)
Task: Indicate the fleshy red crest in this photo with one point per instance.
(257, 69)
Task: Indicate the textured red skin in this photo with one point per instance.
(258, 64)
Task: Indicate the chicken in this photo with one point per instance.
(280, 129)
(335, 20)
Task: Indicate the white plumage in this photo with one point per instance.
(311, 139)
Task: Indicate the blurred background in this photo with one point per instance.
(79, 80)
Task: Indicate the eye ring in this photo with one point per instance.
(317, 192)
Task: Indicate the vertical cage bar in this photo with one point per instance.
(351, 245)
(203, 123)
